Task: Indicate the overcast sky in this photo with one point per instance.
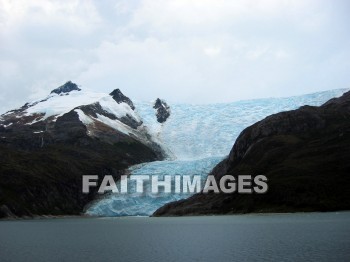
(198, 51)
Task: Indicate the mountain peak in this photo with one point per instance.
(119, 97)
(66, 88)
(158, 103)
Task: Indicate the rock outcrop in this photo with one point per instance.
(162, 110)
(119, 97)
(66, 88)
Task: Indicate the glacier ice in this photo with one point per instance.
(198, 136)
(137, 204)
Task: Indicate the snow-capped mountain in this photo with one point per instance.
(47, 146)
(109, 117)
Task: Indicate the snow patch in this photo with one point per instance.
(115, 124)
(56, 105)
(10, 124)
(119, 110)
(86, 120)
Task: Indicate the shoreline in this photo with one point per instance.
(50, 217)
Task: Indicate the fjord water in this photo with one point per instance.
(197, 137)
(272, 237)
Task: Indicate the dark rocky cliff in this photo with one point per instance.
(304, 153)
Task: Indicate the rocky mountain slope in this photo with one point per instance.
(46, 146)
(304, 153)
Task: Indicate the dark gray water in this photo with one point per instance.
(275, 237)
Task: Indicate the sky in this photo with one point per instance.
(190, 51)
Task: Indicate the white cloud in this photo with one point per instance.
(182, 50)
(212, 51)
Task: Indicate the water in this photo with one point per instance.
(273, 237)
(198, 137)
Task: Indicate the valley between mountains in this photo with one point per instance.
(46, 146)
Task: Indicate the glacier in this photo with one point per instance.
(197, 138)
(144, 204)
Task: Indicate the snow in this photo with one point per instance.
(86, 120)
(115, 124)
(57, 105)
(200, 136)
(10, 124)
(119, 110)
(148, 115)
